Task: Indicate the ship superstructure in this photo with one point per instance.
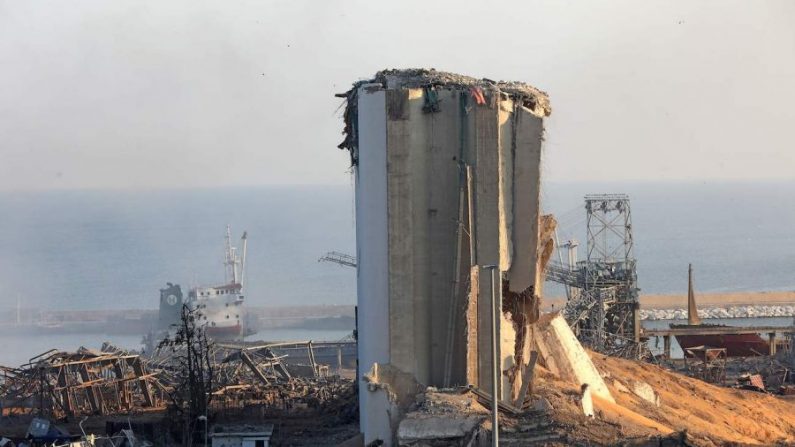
(220, 306)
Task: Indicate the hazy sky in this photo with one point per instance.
(97, 94)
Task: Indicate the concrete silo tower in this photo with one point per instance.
(447, 174)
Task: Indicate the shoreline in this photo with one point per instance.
(718, 299)
(679, 301)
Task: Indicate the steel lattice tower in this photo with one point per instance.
(610, 268)
(602, 291)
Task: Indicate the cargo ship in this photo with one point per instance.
(736, 345)
(220, 307)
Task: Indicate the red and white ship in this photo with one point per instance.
(220, 307)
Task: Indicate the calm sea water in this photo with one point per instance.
(115, 249)
(739, 236)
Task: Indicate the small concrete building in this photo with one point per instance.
(447, 171)
(241, 435)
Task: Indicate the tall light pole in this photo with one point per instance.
(495, 366)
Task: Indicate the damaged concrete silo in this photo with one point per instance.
(447, 181)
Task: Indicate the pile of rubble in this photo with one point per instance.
(61, 384)
(116, 381)
(578, 397)
(652, 407)
(251, 383)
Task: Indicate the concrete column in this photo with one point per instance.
(667, 346)
(772, 337)
(372, 255)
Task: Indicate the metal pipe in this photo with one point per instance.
(495, 366)
(452, 314)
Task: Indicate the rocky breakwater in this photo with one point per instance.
(748, 311)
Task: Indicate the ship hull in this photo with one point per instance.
(234, 332)
(737, 345)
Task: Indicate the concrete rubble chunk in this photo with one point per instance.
(620, 387)
(449, 417)
(436, 427)
(646, 392)
(542, 404)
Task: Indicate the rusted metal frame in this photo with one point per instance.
(311, 354)
(107, 382)
(253, 367)
(94, 398)
(140, 373)
(296, 344)
(122, 388)
(485, 399)
(278, 366)
(66, 398)
(102, 359)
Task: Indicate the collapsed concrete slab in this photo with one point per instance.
(415, 430)
(451, 417)
(561, 352)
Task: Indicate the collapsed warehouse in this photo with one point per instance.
(451, 256)
(61, 384)
(249, 383)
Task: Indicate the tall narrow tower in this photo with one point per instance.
(610, 267)
(447, 171)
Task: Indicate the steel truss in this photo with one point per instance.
(604, 310)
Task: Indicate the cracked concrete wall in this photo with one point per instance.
(413, 146)
(372, 256)
(408, 182)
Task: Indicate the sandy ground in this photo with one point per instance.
(703, 300)
(712, 416)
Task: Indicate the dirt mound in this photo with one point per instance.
(711, 415)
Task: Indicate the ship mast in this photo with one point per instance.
(231, 257)
(692, 312)
(244, 241)
(235, 264)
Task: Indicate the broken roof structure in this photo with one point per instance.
(82, 382)
(531, 98)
